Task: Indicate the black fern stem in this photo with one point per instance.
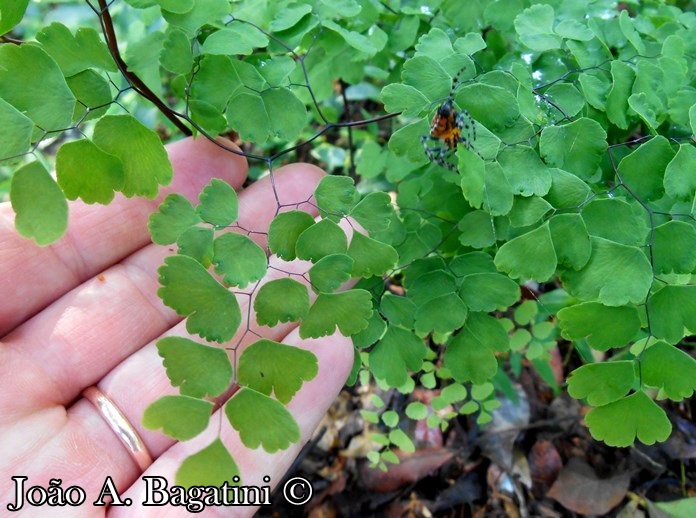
(137, 84)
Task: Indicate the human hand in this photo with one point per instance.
(84, 312)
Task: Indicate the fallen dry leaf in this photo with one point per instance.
(579, 489)
(412, 468)
(499, 436)
(544, 462)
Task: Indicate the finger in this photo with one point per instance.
(98, 236)
(142, 370)
(335, 357)
(82, 336)
(70, 440)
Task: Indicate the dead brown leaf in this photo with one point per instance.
(579, 489)
(412, 468)
(544, 462)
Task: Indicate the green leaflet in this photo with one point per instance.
(602, 383)
(434, 44)
(219, 205)
(525, 171)
(212, 311)
(321, 239)
(244, 108)
(673, 309)
(398, 352)
(571, 241)
(370, 257)
(288, 115)
(643, 170)
(443, 314)
(15, 131)
(633, 417)
(488, 291)
(348, 310)
(40, 206)
(427, 76)
(616, 220)
(145, 162)
(336, 195)
(238, 259)
(207, 116)
(12, 13)
(528, 211)
(261, 421)
(212, 466)
(192, 228)
(176, 6)
(489, 97)
(403, 98)
(164, 413)
(682, 506)
(603, 326)
(577, 147)
(595, 85)
(75, 53)
(373, 332)
(470, 355)
(497, 191)
(632, 35)
(176, 55)
(615, 275)
(535, 28)
(284, 231)
(260, 369)
(236, 38)
(670, 369)
(197, 369)
(529, 256)
(207, 89)
(281, 300)
(371, 160)
(289, 17)
(430, 285)
(190, 20)
(566, 97)
(476, 230)
(473, 183)
(374, 212)
(174, 217)
(401, 142)
(49, 103)
(617, 100)
(197, 243)
(353, 38)
(679, 182)
(567, 190)
(398, 310)
(93, 94)
(673, 246)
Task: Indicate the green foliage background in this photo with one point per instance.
(571, 218)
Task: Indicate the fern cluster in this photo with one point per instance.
(580, 180)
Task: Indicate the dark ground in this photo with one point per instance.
(535, 459)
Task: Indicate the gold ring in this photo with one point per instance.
(120, 426)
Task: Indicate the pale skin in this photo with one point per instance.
(85, 312)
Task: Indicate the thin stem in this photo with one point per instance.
(110, 35)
